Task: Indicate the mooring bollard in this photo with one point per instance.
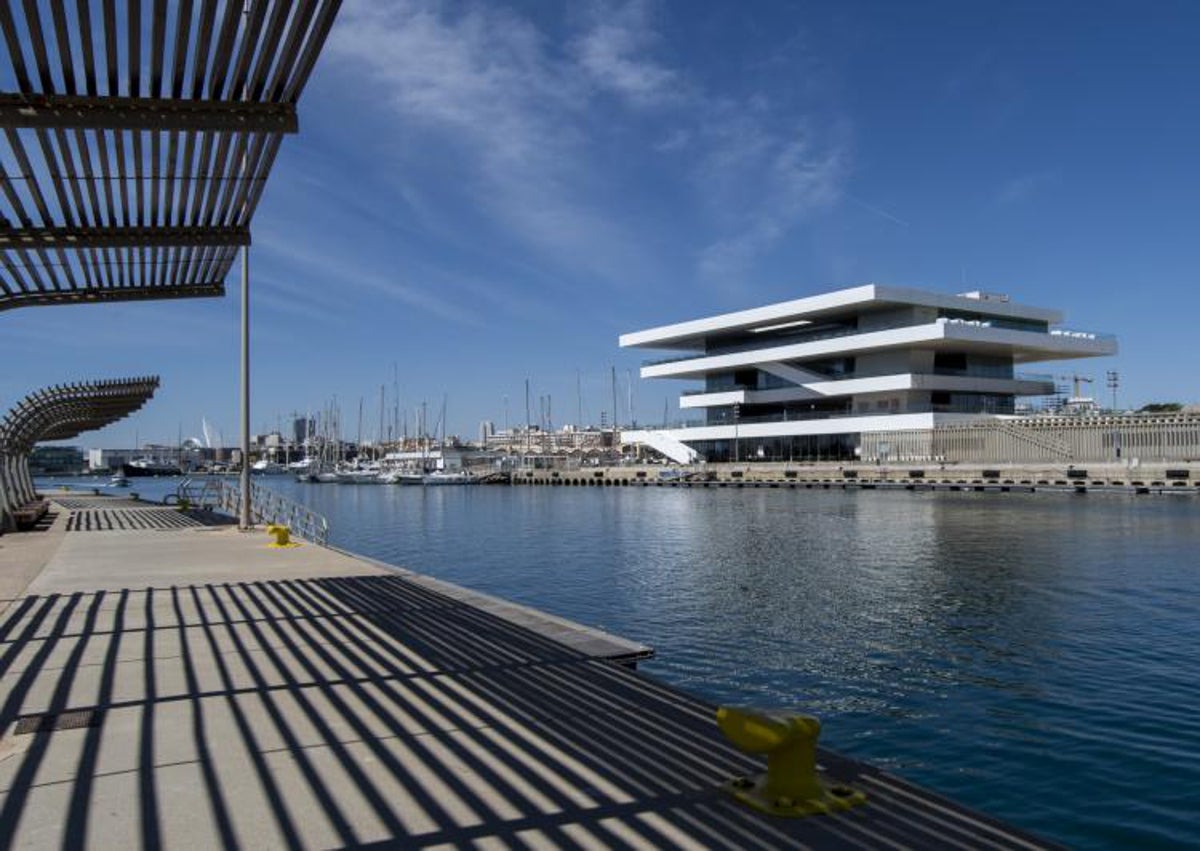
(282, 535)
(791, 785)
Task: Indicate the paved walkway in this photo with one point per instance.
(209, 692)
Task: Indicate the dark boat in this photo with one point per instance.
(144, 467)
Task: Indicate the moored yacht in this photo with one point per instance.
(442, 477)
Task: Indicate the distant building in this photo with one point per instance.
(805, 379)
(486, 429)
(56, 461)
(568, 439)
(105, 460)
(450, 458)
(302, 429)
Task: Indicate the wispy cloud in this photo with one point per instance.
(345, 273)
(521, 114)
(612, 52)
(780, 181)
(1021, 188)
(488, 84)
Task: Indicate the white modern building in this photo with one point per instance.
(804, 379)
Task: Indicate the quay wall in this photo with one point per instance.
(1182, 478)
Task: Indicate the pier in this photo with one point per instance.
(168, 680)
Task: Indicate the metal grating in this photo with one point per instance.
(50, 722)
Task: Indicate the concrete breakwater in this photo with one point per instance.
(1116, 478)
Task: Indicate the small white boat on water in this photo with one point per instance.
(118, 480)
(360, 474)
(267, 468)
(442, 477)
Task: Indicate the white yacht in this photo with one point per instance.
(442, 477)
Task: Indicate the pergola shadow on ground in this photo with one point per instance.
(366, 709)
(60, 412)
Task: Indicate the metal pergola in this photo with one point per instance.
(138, 142)
(60, 412)
(139, 139)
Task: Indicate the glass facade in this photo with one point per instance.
(816, 447)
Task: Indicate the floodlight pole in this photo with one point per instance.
(244, 519)
(245, 522)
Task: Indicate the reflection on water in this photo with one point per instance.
(1032, 655)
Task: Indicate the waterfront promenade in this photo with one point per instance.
(191, 687)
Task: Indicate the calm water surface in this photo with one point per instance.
(1035, 656)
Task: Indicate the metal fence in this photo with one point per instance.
(266, 506)
(1043, 440)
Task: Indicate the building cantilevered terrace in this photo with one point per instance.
(804, 379)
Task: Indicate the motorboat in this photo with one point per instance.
(266, 467)
(442, 477)
(146, 467)
(360, 474)
(118, 480)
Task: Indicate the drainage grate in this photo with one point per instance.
(48, 722)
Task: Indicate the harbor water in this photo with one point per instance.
(1031, 655)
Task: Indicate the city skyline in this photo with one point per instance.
(486, 194)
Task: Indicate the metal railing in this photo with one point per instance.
(833, 333)
(852, 376)
(266, 506)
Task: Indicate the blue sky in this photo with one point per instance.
(483, 193)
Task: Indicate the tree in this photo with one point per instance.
(1161, 408)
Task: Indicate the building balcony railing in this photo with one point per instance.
(956, 373)
(791, 340)
(830, 334)
(802, 416)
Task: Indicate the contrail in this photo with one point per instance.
(877, 211)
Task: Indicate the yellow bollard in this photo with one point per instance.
(282, 536)
(791, 785)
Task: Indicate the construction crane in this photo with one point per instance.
(1076, 402)
(1075, 380)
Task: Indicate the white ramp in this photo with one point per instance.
(663, 442)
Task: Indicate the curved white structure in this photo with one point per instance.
(805, 378)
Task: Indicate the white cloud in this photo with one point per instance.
(522, 114)
(676, 140)
(770, 182)
(611, 53)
